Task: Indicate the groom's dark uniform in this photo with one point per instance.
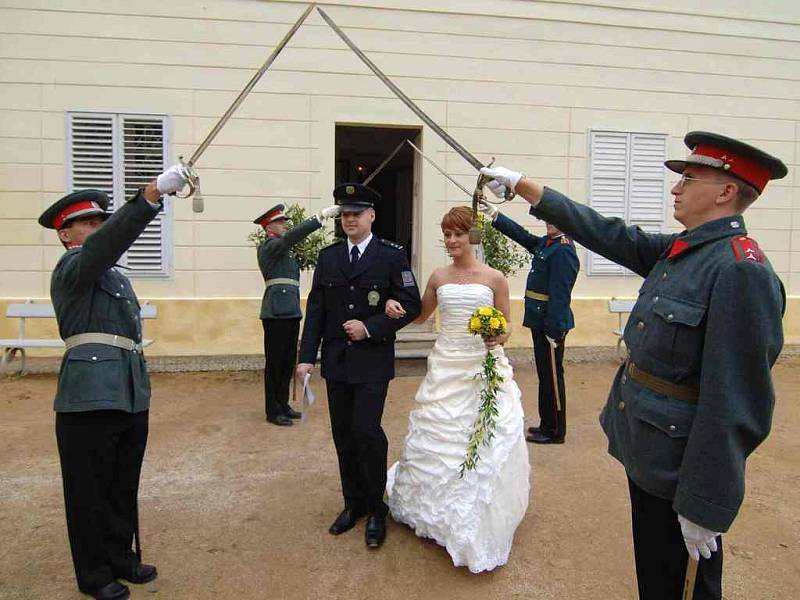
(357, 373)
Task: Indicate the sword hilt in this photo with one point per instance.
(193, 185)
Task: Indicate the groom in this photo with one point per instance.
(352, 282)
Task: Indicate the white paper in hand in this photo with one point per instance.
(308, 396)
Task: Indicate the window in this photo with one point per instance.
(626, 180)
(120, 153)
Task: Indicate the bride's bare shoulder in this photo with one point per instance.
(438, 277)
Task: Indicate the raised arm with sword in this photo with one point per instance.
(192, 176)
(477, 195)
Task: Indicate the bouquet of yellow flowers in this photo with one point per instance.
(486, 321)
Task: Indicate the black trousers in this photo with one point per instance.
(552, 408)
(101, 456)
(280, 350)
(361, 444)
(661, 553)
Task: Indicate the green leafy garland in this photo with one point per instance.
(486, 321)
(501, 252)
(306, 251)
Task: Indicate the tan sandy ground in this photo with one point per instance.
(234, 508)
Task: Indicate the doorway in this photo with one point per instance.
(360, 149)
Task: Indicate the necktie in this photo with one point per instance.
(354, 255)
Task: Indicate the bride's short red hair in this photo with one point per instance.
(458, 218)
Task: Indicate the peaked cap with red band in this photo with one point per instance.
(273, 214)
(736, 158)
(83, 203)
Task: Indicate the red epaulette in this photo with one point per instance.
(745, 248)
(564, 239)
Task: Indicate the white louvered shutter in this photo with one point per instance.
(608, 187)
(120, 154)
(91, 152)
(143, 152)
(626, 180)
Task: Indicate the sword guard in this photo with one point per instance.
(192, 183)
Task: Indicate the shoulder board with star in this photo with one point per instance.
(746, 249)
(391, 244)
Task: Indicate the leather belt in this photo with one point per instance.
(537, 296)
(281, 281)
(108, 339)
(662, 386)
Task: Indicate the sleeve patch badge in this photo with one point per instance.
(408, 279)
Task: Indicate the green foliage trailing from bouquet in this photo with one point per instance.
(486, 321)
(501, 253)
(307, 250)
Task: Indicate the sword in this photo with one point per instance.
(193, 182)
(474, 232)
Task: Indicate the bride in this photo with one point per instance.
(473, 517)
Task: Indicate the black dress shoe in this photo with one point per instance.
(280, 420)
(141, 574)
(536, 429)
(346, 520)
(292, 413)
(112, 591)
(376, 531)
(541, 438)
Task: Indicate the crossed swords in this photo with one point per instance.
(477, 194)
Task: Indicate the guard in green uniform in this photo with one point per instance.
(280, 308)
(103, 392)
(548, 292)
(695, 396)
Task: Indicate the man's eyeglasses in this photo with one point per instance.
(687, 179)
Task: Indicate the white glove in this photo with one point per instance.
(698, 540)
(172, 180)
(502, 179)
(487, 209)
(328, 212)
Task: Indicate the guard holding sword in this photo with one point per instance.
(103, 396)
(695, 396)
(554, 268)
(280, 307)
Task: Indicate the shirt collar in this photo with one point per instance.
(361, 246)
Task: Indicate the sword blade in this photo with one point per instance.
(438, 168)
(385, 162)
(251, 84)
(463, 152)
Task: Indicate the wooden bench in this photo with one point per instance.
(622, 307)
(42, 310)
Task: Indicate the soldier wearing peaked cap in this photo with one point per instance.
(554, 269)
(103, 393)
(280, 307)
(345, 313)
(695, 396)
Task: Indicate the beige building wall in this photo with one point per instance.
(520, 81)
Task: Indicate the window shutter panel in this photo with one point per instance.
(91, 153)
(143, 160)
(608, 178)
(648, 153)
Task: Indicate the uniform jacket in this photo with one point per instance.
(554, 268)
(341, 292)
(89, 295)
(709, 316)
(275, 259)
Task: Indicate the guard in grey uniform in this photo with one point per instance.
(695, 396)
(103, 395)
(280, 307)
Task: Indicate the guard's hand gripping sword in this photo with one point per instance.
(193, 179)
(474, 232)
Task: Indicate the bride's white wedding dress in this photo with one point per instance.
(474, 517)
